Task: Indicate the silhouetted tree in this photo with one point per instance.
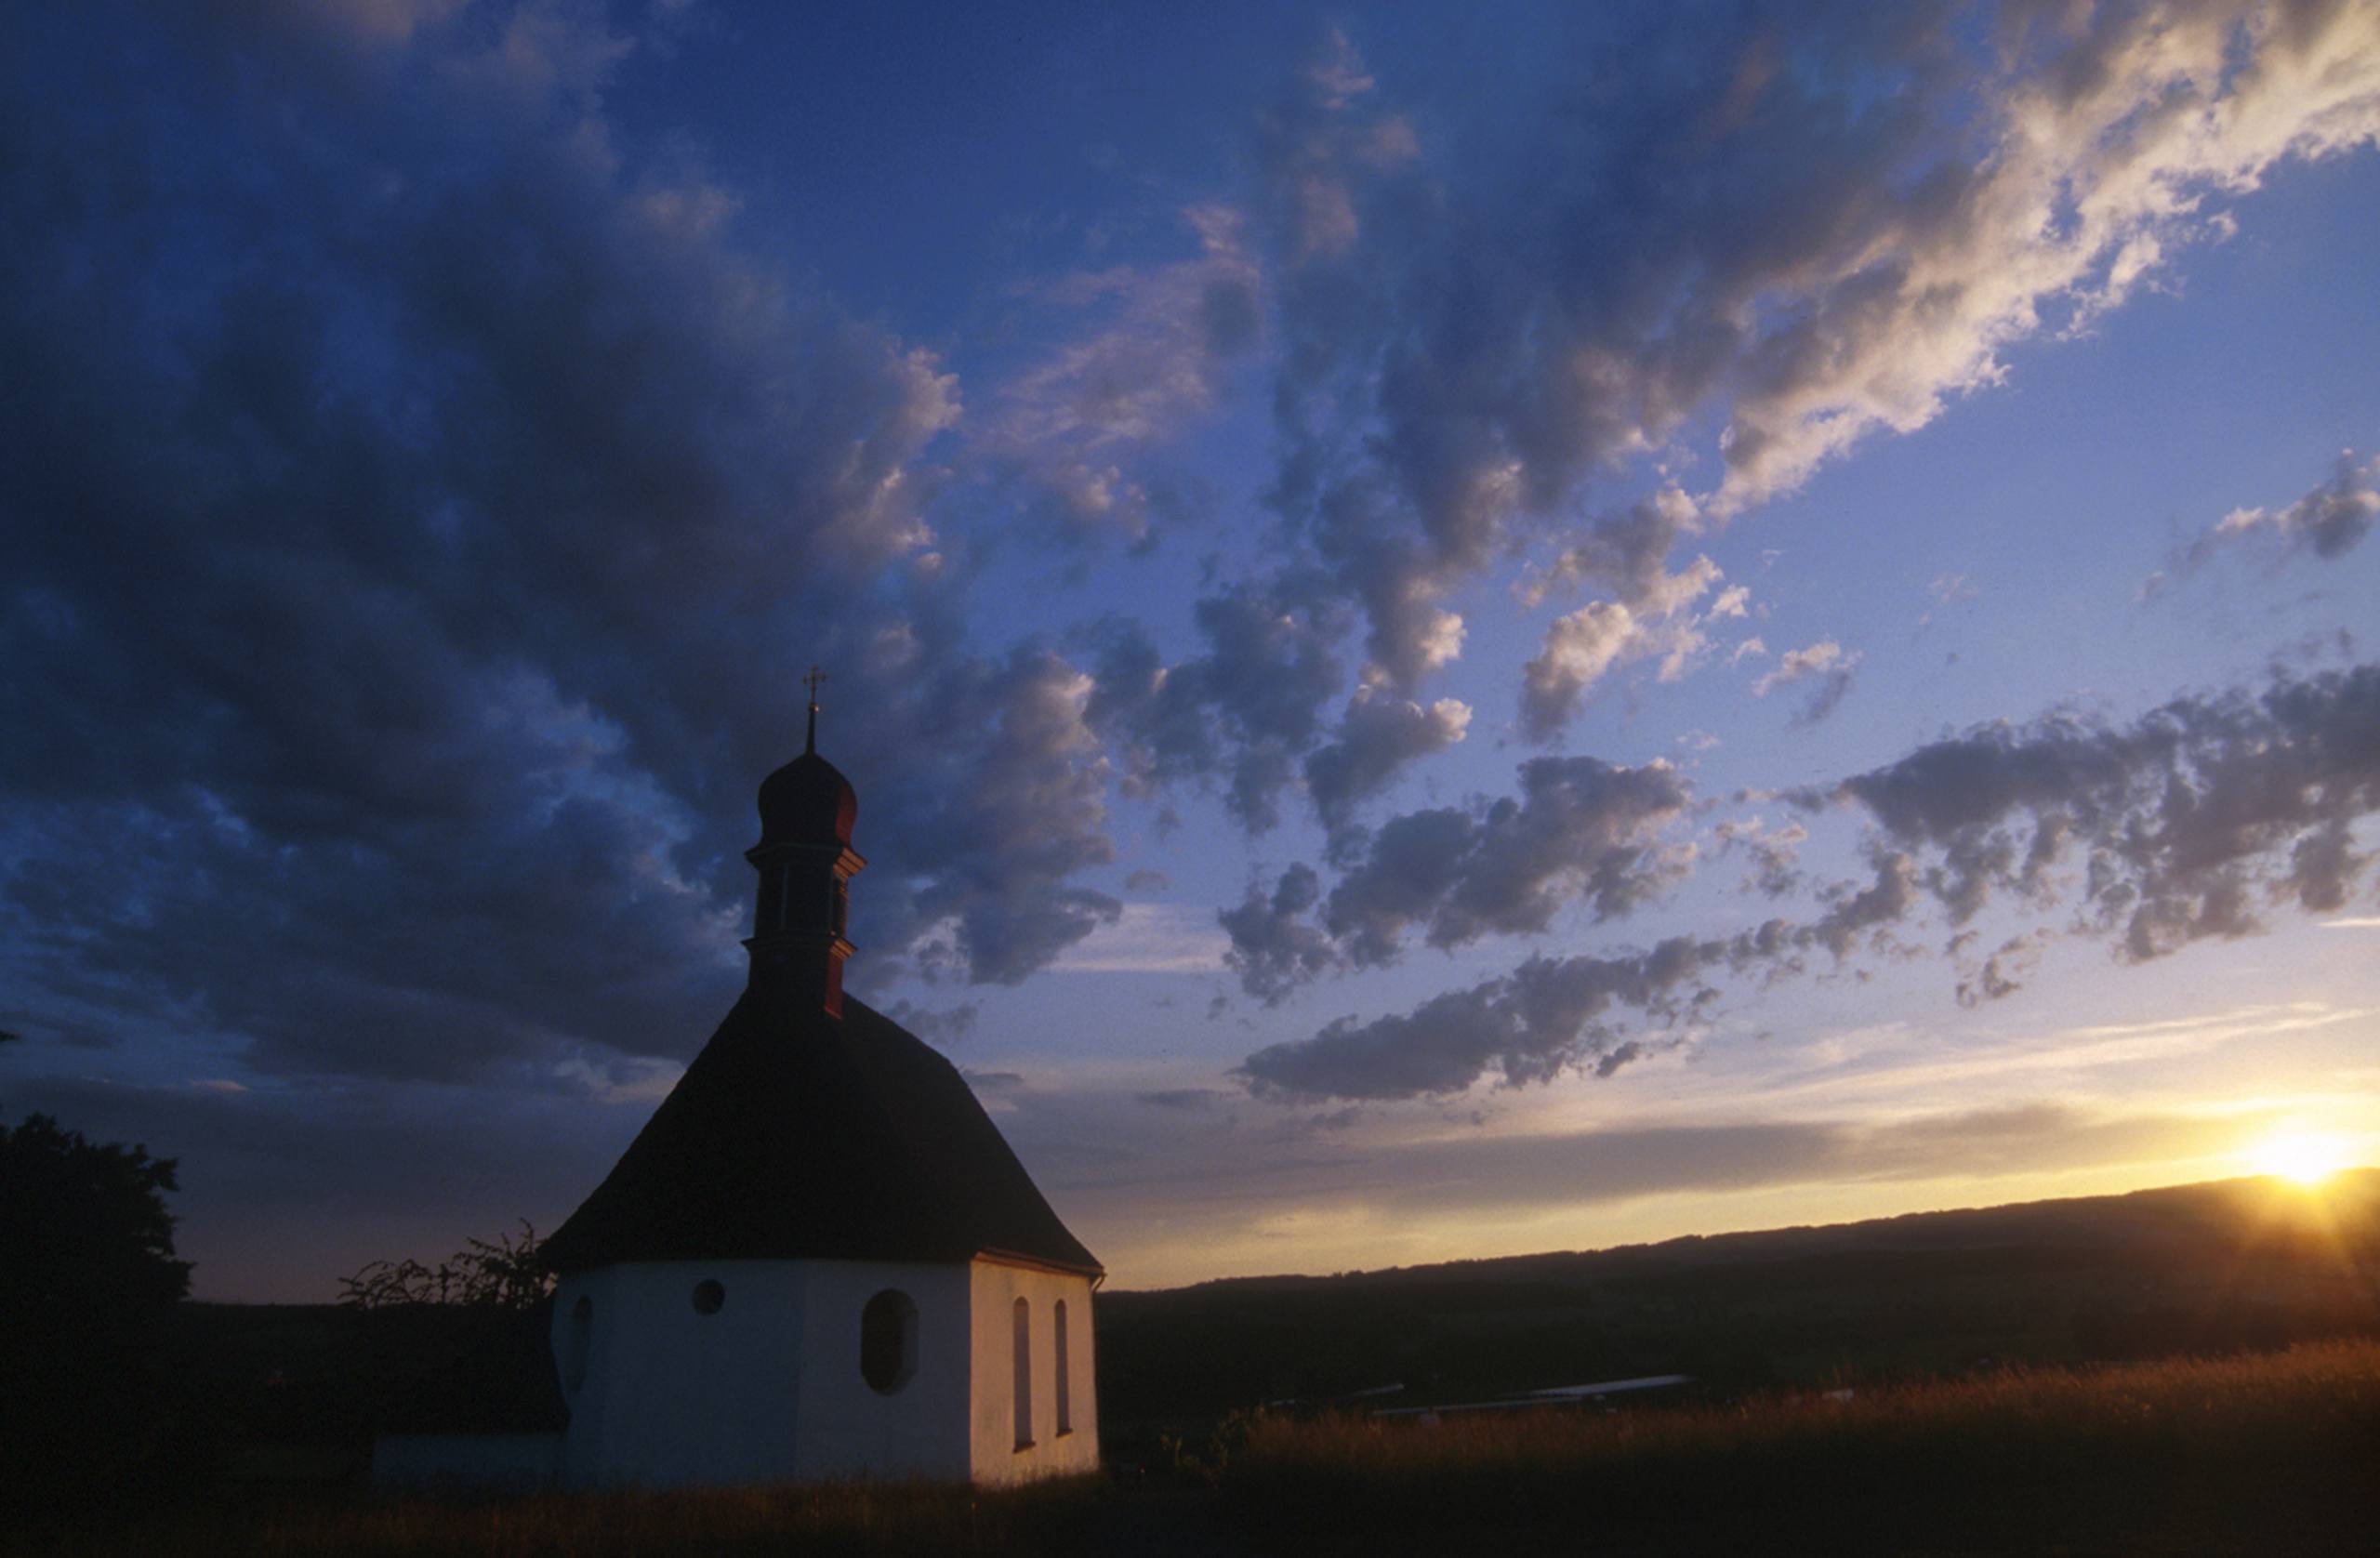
(88, 1283)
(460, 1346)
(507, 1273)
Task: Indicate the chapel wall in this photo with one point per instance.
(996, 1452)
(848, 1427)
(672, 1396)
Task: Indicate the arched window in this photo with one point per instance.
(888, 1342)
(1061, 1386)
(576, 1342)
(1021, 1344)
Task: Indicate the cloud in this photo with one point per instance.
(1580, 648)
(1477, 1173)
(1527, 1027)
(1775, 853)
(1017, 789)
(1273, 948)
(1997, 977)
(1581, 831)
(1811, 256)
(1183, 1098)
(2183, 821)
(1824, 661)
(1081, 423)
(1856, 911)
(1245, 712)
(1800, 664)
(2327, 521)
(1148, 938)
(1377, 738)
(364, 429)
(419, 493)
(1553, 1015)
(1626, 550)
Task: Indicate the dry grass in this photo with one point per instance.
(2276, 1452)
(873, 1518)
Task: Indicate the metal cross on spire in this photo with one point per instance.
(815, 680)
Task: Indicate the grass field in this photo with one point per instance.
(2274, 1453)
(2242, 1265)
(2259, 1454)
(838, 1519)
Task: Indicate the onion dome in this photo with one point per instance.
(807, 802)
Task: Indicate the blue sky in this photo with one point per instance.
(1456, 635)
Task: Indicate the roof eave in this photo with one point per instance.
(1095, 1270)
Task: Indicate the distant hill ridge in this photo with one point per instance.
(2249, 1211)
(2192, 1269)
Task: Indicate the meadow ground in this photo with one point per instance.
(2273, 1453)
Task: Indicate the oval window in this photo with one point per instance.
(710, 1295)
(888, 1342)
(576, 1342)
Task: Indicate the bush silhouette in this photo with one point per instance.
(505, 1273)
(459, 1347)
(87, 1288)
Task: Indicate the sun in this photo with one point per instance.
(2305, 1157)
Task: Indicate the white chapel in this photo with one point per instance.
(819, 1259)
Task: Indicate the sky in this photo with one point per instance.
(1458, 634)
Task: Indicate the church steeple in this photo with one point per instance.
(806, 864)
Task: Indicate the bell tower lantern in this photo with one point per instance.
(806, 864)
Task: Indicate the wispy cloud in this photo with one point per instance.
(1827, 664)
(2327, 521)
(1149, 938)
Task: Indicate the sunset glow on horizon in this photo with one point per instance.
(2305, 1157)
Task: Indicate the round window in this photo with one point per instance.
(888, 1342)
(709, 1296)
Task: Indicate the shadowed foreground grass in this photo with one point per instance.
(870, 1518)
(2274, 1454)
(2266, 1454)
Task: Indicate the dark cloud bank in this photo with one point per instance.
(418, 511)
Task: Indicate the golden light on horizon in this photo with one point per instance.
(2303, 1156)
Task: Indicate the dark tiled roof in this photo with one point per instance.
(794, 1136)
